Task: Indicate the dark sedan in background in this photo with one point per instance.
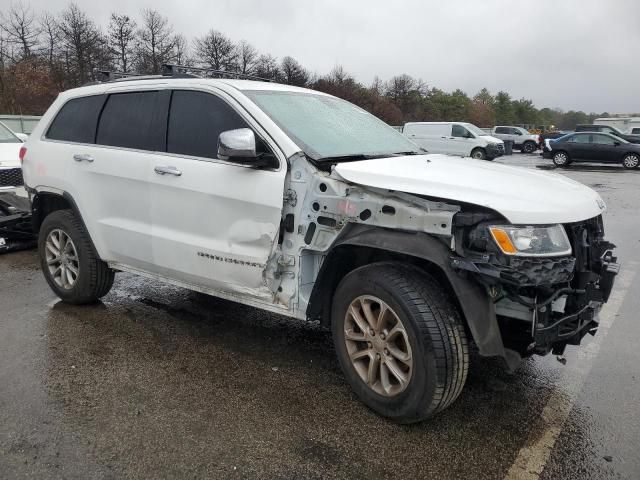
(592, 147)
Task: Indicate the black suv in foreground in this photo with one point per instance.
(592, 147)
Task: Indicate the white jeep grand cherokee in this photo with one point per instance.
(300, 203)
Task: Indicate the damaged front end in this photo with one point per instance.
(542, 303)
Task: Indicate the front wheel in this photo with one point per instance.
(399, 340)
(561, 159)
(478, 154)
(69, 262)
(631, 161)
(529, 147)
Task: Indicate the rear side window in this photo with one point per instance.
(502, 130)
(580, 139)
(77, 119)
(130, 120)
(196, 119)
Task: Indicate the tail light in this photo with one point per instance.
(23, 152)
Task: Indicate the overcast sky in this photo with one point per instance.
(571, 54)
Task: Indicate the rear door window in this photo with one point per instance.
(580, 139)
(502, 130)
(196, 120)
(132, 120)
(77, 120)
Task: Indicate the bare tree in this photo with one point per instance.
(293, 73)
(83, 44)
(267, 67)
(20, 29)
(122, 32)
(216, 51)
(247, 58)
(51, 37)
(156, 42)
(181, 51)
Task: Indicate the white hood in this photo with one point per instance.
(491, 139)
(523, 196)
(9, 154)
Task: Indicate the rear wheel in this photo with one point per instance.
(561, 159)
(478, 154)
(399, 340)
(69, 262)
(631, 160)
(529, 147)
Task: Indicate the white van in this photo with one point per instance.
(454, 138)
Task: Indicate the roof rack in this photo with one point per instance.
(183, 71)
(110, 76)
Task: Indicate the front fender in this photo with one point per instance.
(475, 303)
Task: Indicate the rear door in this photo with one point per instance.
(107, 171)
(580, 146)
(214, 223)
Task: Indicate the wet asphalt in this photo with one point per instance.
(160, 382)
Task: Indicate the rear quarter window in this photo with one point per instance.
(77, 120)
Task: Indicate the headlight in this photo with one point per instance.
(531, 241)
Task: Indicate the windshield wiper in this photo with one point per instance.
(412, 152)
(349, 158)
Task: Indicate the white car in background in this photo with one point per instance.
(454, 138)
(10, 165)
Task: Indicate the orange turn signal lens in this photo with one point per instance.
(503, 240)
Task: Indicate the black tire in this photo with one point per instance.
(631, 161)
(94, 279)
(436, 335)
(561, 159)
(529, 147)
(479, 154)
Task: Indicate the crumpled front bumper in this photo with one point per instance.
(544, 304)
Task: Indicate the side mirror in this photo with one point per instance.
(237, 146)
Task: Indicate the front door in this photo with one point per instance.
(606, 148)
(214, 223)
(462, 141)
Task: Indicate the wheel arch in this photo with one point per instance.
(362, 245)
(44, 202)
(478, 148)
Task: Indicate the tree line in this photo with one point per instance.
(42, 54)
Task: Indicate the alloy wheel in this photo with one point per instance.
(560, 158)
(631, 161)
(62, 259)
(378, 345)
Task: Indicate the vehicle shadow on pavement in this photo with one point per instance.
(590, 168)
(162, 382)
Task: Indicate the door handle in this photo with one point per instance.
(167, 170)
(83, 157)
